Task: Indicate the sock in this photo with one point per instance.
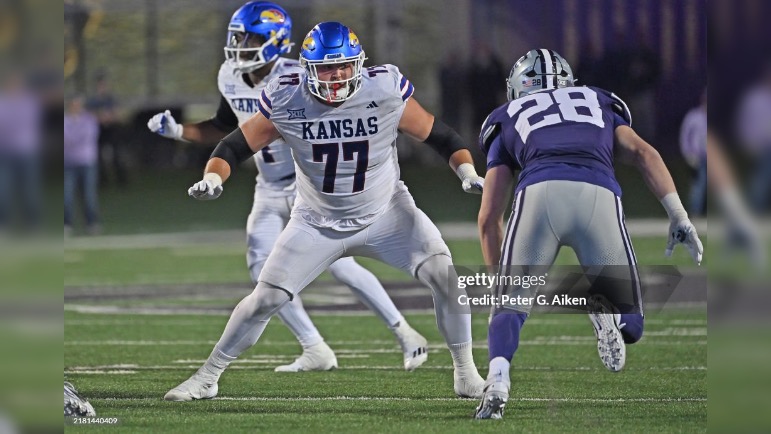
(499, 370)
(461, 354)
(215, 365)
(294, 316)
(503, 335)
(401, 328)
(631, 327)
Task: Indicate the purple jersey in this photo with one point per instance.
(558, 134)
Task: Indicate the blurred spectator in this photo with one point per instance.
(754, 131)
(454, 90)
(81, 148)
(741, 231)
(20, 172)
(111, 158)
(486, 76)
(693, 145)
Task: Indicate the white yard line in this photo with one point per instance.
(450, 231)
(385, 398)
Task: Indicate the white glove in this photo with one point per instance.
(209, 188)
(165, 125)
(470, 181)
(681, 230)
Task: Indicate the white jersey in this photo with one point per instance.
(346, 155)
(274, 162)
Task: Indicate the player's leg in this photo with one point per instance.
(405, 238)
(605, 250)
(301, 253)
(267, 219)
(529, 246)
(369, 291)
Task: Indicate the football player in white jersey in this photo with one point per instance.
(341, 121)
(259, 32)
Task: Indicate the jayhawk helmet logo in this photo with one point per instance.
(309, 44)
(354, 40)
(272, 16)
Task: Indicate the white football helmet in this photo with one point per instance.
(538, 69)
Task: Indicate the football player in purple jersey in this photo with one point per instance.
(562, 140)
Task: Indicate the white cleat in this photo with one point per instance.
(607, 328)
(415, 349)
(468, 382)
(496, 394)
(194, 387)
(316, 358)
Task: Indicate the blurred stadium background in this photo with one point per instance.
(153, 56)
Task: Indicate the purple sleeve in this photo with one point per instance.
(498, 155)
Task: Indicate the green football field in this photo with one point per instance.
(138, 321)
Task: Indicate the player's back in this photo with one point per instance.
(557, 134)
(346, 154)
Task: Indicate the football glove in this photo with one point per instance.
(681, 230)
(470, 181)
(165, 125)
(209, 188)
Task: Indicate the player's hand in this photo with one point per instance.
(683, 232)
(165, 125)
(470, 181)
(473, 185)
(206, 189)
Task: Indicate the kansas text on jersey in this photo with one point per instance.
(346, 155)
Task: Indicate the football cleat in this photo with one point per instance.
(74, 404)
(468, 382)
(415, 349)
(607, 329)
(496, 394)
(318, 357)
(195, 387)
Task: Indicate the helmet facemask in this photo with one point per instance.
(247, 51)
(337, 90)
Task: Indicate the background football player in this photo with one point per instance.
(562, 140)
(258, 34)
(341, 122)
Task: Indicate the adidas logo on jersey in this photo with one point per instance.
(372, 105)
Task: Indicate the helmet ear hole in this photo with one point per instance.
(531, 73)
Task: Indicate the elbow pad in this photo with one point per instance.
(444, 139)
(233, 149)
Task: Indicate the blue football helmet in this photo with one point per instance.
(258, 34)
(537, 70)
(327, 44)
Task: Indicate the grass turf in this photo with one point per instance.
(125, 363)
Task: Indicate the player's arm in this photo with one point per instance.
(235, 148)
(205, 132)
(495, 198)
(632, 149)
(422, 126)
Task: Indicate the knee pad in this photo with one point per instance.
(435, 271)
(265, 300)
